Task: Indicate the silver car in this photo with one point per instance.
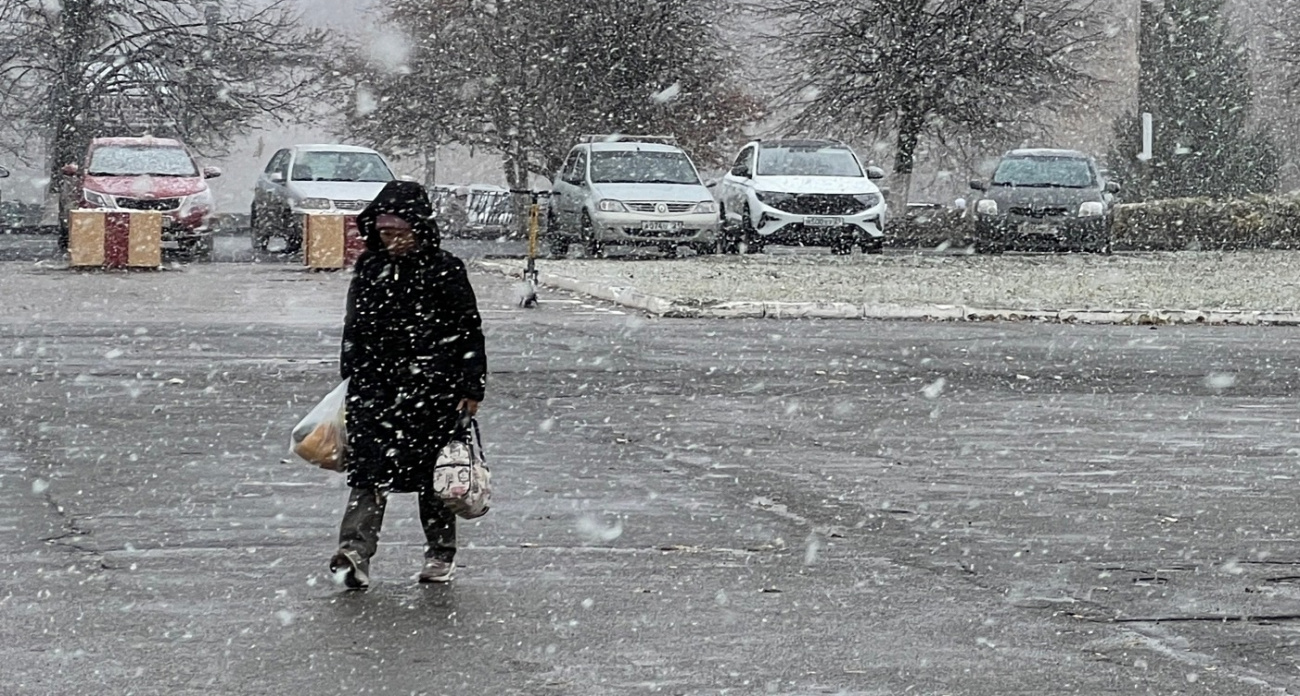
(630, 191)
(313, 179)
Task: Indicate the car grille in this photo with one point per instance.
(351, 205)
(161, 204)
(676, 208)
(821, 204)
(1039, 213)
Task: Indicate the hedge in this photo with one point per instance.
(1257, 222)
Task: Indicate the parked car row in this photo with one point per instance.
(646, 191)
(612, 191)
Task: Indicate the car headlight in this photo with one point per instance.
(706, 207)
(199, 201)
(610, 205)
(1092, 209)
(97, 199)
(774, 199)
(987, 206)
(315, 204)
(868, 200)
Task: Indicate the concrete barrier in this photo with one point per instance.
(330, 241)
(103, 239)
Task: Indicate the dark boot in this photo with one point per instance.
(359, 536)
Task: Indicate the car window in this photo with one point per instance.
(642, 167)
(808, 161)
(278, 163)
(579, 172)
(742, 167)
(566, 169)
(340, 166)
(129, 160)
(1044, 172)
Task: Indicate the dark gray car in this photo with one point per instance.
(1044, 199)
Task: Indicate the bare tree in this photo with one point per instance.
(200, 70)
(525, 79)
(918, 68)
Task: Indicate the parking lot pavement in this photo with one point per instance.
(682, 506)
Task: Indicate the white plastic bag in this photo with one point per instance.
(461, 478)
(321, 438)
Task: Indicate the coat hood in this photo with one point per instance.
(407, 200)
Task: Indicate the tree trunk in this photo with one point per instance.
(910, 124)
(66, 141)
(430, 167)
(516, 171)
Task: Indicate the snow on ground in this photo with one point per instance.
(1266, 281)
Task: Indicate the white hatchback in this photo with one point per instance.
(801, 193)
(630, 190)
(314, 179)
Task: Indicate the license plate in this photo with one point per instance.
(171, 245)
(1038, 231)
(823, 222)
(661, 226)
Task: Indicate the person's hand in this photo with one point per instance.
(469, 406)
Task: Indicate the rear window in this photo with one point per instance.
(1044, 172)
(138, 160)
(637, 167)
(807, 161)
(341, 166)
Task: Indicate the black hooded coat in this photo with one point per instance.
(412, 346)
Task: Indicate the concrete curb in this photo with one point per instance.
(635, 299)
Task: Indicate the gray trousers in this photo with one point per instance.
(365, 515)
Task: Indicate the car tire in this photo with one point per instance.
(754, 244)
(200, 250)
(873, 246)
(257, 231)
(842, 246)
(669, 250)
(728, 238)
(556, 243)
(707, 248)
(983, 246)
(592, 245)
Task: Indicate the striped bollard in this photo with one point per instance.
(114, 240)
(330, 241)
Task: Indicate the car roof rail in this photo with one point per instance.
(629, 138)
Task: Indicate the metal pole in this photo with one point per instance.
(528, 299)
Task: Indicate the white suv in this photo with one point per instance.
(630, 190)
(313, 179)
(801, 193)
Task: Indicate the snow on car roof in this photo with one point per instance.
(321, 147)
(802, 144)
(624, 146)
(1046, 152)
(146, 141)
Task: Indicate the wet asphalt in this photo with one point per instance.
(682, 507)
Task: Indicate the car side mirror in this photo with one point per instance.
(70, 170)
(979, 185)
(1112, 187)
(277, 177)
(406, 177)
(710, 183)
(4, 173)
(211, 172)
(875, 173)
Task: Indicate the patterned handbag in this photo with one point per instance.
(461, 478)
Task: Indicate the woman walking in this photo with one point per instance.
(413, 349)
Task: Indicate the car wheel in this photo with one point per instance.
(199, 250)
(556, 242)
(872, 246)
(668, 250)
(64, 235)
(728, 239)
(261, 238)
(749, 235)
(594, 248)
(707, 248)
(983, 246)
(842, 246)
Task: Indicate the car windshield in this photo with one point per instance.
(341, 166)
(129, 160)
(807, 161)
(1044, 172)
(640, 167)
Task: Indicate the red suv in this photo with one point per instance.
(129, 174)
